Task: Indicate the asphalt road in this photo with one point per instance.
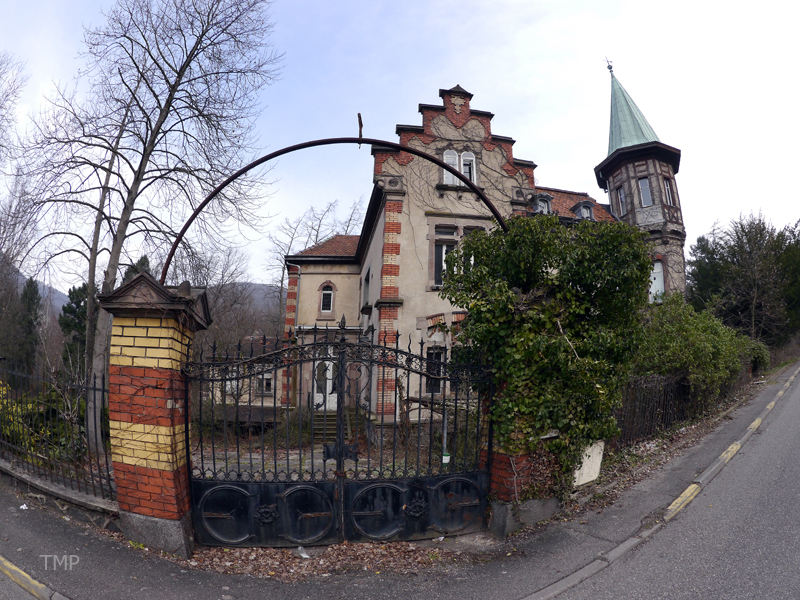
(739, 538)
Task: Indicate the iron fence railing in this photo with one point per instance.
(49, 428)
(653, 403)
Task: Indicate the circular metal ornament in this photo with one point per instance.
(417, 508)
(266, 514)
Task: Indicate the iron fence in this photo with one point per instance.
(56, 430)
(337, 436)
(653, 403)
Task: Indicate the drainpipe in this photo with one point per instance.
(294, 390)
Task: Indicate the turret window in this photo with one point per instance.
(668, 193)
(623, 203)
(657, 282)
(644, 189)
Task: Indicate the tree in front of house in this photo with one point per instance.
(556, 312)
(170, 103)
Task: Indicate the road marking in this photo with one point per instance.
(732, 449)
(25, 581)
(682, 501)
(755, 424)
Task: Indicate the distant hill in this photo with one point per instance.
(265, 295)
(56, 298)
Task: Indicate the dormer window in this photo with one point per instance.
(541, 204)
(584, 210)
(466, 163)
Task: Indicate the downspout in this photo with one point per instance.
(294, 391)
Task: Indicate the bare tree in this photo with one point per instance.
(12, 80)
(171, 94)
(311, 228)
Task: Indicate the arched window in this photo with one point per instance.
(326, 304)
(451, 160)
(468, 165)
(327, 301)
(657, 281)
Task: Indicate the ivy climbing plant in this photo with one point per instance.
(556, 312)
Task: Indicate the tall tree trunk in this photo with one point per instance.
(96, 367)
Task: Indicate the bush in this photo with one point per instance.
(45, 427)
(679, 341)
(555, 312)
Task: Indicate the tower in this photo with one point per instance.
(639, 176)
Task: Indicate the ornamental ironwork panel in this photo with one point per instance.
(331, 435)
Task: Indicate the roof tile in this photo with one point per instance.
(338, 245)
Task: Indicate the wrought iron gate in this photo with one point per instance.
(334, 438)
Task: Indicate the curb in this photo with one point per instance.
(605, 559)
(28, 583)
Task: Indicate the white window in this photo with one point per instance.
(451, 160)
(264, 384)
(623, 203)
(657, 281)
(327, 299)
(668, 193)
(468, 165)
(644, 189)
(442, 249)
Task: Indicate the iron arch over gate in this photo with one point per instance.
(328, 142)
(324, 466)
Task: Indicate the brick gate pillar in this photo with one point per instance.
(152, 329)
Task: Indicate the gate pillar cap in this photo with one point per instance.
(144, 296)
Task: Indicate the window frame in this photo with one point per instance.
(668, 198)
(326, 315)
(448, 231)
(622, 201)
(657, 285)
(459, 161)
(642, 192)
(468, 157)
(450, 158)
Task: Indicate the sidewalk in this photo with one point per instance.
(105, 568)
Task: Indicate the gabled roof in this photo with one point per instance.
(338, 245)
(628, 125)
(563, 201)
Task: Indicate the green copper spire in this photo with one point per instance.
(628, 125)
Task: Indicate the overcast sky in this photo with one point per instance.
(718, 80)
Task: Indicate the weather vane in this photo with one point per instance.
(608, 62)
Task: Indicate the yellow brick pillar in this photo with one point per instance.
(151, 334)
